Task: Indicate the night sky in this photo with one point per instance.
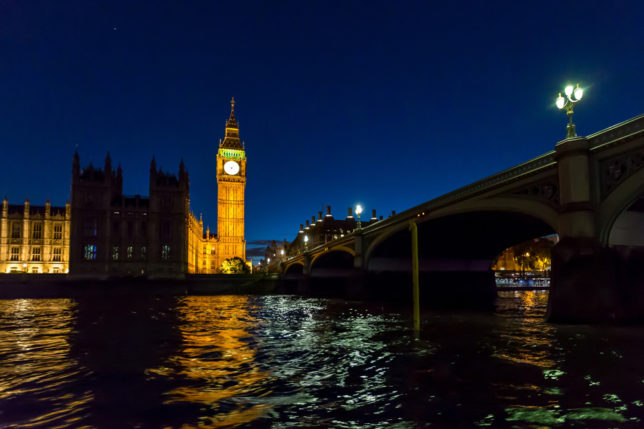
(388, 103)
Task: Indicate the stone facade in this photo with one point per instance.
(118, 235)
(34, 239)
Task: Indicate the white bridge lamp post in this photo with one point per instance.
(358, 212)
(573, 95)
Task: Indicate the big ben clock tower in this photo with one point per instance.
(231, 184)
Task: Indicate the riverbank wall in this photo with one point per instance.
(14, 286)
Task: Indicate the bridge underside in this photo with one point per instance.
(455, 256)
(333, 274)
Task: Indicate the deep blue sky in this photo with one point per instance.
(385, 103)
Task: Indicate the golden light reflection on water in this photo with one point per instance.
(529, 341)
(218, 360)
(36, 362)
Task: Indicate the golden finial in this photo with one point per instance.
(232, 104)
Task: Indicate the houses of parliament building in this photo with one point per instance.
(104, 233)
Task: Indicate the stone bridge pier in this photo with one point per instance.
(597, 270)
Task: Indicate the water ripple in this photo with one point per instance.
(285, 361)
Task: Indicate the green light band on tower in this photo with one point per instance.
(232, 153)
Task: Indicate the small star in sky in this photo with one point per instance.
(114, 28)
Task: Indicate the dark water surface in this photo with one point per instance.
(286, 361)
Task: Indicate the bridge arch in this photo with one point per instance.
(534, 209)
(456, 250)
(294, 268)
(336, 259)
(340, 248)
(617, 203)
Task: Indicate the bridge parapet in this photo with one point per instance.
(539, 163)
(618, 133)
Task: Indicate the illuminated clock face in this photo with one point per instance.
(231, 167)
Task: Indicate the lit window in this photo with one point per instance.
(89, 252)
(130, 252)
(165, 252)
(36, 232)
(35, 254)
(58, 231)
(115, 253)
(56, 255)
(15, 253)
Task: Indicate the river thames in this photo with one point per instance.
(288, 361)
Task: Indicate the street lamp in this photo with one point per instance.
(306, 242)
(573, 95)
(358, 211)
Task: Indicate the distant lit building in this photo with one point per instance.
(325, 228)
(276, 252)
(531, 255)
(34, 239)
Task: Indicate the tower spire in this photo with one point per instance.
(231, 138)
(232, 121)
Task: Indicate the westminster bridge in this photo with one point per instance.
(588, 190)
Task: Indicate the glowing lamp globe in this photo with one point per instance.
(358, 209)
(560, 102)
(568, 90)
(579, 92)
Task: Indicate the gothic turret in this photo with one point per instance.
(119, 179)
(108, 166)
(183, 176)
(153, 171)
(76, 165)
